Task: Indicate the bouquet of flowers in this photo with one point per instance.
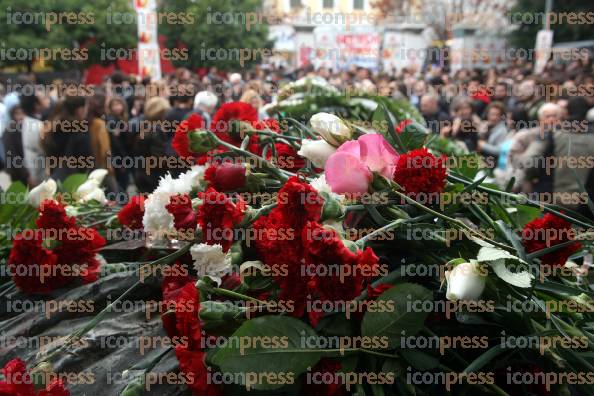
(337, 248)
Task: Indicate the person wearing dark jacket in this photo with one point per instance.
(67, 141)
(150, 143)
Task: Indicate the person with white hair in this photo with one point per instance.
(236, 86)
(530, 150)
(205, 103)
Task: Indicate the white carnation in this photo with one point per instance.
(210, 260)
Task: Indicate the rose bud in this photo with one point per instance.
(331, 128)
(466, 281)
(317, 151)
(226, 176)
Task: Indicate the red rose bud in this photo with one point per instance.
(201, 142)
(226, 176)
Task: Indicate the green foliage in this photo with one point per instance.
(65, 25)
(219, 32)
(525, 35)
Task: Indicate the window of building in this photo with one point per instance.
(295, 3)
(358, 4)
(328, 3)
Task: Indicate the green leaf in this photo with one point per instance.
(489, 253)
(392, 324)
(484, 359)
(73, 182)
(220, 318)
(419, 360)
(524, 214)
(15, 197)
(519, 279)
(282, 353)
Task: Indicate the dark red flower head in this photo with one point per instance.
(233, 111)
(181, 140)
(419, 171)
(52, 216)
(18, 382)
(226, 176)
(184, 217)
(548, 231)
(131, 214)
(287, 157)
(181, 305)
(217, 216)
(34, 268)
(267, 124)
(300, 202)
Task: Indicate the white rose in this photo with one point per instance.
(98, 175)
(210, 260)
(331, 128)
(45, 190)
(317, 151)
(465, 282)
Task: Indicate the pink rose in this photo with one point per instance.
(350, 169)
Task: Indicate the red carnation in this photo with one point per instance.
(184, 217)
(33, 267)
(54, 388)
(287, 157)
(80, 248)
(233, 111)
(419, 171)
(348, 271)
(267, 124)
(226, 176)
(280, 241)
(181, 140)
(52, 216)
(217, 216)
(131, 214)
(18, 382)
(192, 364)
(182, 303)
(548, 231)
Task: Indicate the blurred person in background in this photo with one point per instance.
(34, 106)
(116, 121)
(66, 138)
(530, 149)
(575, 141)
(236, 89)
(466, 124)
(436, 119)
(149, 141)
(252, 97)
(493, 130)
(100, 139)
(205, 103)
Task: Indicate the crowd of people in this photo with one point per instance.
(527, 127)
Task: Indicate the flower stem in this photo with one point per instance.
(454, 222)
(278, 173)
